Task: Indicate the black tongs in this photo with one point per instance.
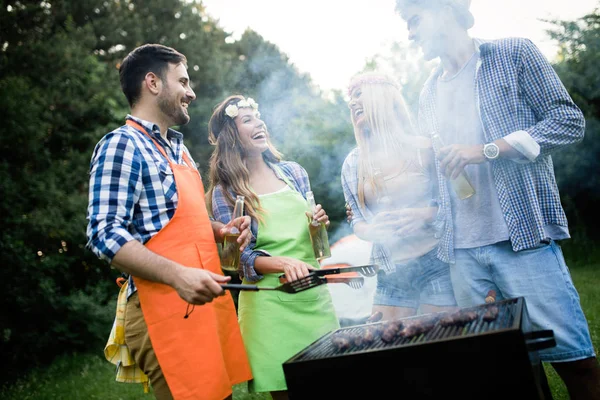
(308, 282)
(367, 270)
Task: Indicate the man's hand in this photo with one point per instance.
(455, 157)
(198, 286)
(242, 224)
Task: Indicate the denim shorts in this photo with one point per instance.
(424, 280)
(539, 275)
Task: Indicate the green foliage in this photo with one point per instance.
(61, 94)
(577, 166)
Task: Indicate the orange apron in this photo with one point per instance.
(201, 356)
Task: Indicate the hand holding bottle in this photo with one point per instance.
(230, 252)
(318, 222)
(452, 164)
(319, 216)
(242, 225)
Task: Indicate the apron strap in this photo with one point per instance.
(143, 130)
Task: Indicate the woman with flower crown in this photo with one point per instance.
(390, 187)
(274, 325)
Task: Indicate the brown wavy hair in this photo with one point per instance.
(227, 162)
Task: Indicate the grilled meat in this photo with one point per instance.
(416, 327)
(341, 341)
(390, 330)
(490, 314)
(458, 318)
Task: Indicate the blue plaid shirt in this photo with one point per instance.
(132, 193)
(516, 90)
(290, 172)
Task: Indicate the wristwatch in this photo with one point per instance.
(491, 151)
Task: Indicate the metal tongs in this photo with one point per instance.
(355, 282)
(367, 270)
(299, 285)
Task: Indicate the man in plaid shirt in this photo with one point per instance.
(147, 217)
(501, 110)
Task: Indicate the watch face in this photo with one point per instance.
(491, 151)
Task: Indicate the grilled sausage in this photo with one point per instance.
(490, 314)
(458, 318)
(416, 327)
(341, 341)
(390, 330)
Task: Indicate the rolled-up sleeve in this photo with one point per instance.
(115, 186)
(223, 212)
(561, 121)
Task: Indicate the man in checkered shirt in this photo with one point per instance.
(501, 110)
(147, 217)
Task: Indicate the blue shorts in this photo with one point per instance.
(541, 276)
(424, 280)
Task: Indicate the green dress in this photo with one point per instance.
(276, 325)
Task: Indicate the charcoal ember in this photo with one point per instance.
(491, 296)
(490, 314)
(458, 318)
(342, 341)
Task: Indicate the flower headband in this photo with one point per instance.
(233, 110)
(371, 79)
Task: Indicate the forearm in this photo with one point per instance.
(364, 231)
(268, 265)
(135, 259)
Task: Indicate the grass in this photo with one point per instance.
(80, 376)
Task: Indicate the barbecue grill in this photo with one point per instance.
(478, 360)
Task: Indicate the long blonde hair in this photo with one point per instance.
(227, 162)
(390, 126)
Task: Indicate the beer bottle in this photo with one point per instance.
(230, 252)
(461, 185)
(318, 232)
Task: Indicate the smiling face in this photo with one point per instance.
(357, 111)
(252, 131)
(176, 95)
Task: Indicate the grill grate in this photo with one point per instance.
(507, 318)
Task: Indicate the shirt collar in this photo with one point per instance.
(155, 130)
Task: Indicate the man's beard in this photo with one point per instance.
(172, 110)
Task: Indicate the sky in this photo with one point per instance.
(332, 39)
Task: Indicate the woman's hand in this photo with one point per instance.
(349, 213)
(320, 216)
(402, 222)
(411, 220)
(242, 225)
(293, 269)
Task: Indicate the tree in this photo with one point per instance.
(577, 166)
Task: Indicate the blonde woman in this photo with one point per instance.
(274, 325)
(389, 184)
